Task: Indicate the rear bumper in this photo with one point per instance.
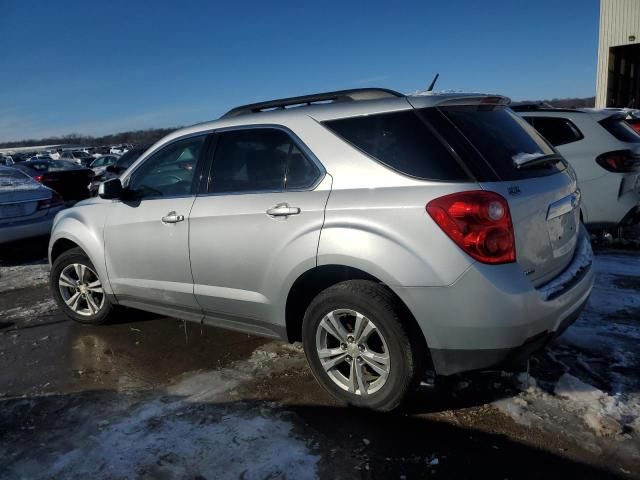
(453, 361)
(493, 313)
(27, 229)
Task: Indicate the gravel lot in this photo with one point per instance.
(142, 399)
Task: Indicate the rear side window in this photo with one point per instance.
(401, 141)
(260, 160)
(558, 131)
(501, 137)
(617, 127)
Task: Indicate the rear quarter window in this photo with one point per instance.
(401, 141)
(557, 131)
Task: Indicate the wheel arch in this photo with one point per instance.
(313, 281)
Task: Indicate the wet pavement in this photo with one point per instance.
(149, 397)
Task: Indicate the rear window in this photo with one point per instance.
(401, 141)
(558, 131)
(619, 128)
(501, 138)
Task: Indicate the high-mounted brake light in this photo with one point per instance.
(620, 161)
(38, 178)
(479, 222)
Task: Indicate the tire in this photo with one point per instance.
(95, 312)
(398, 354)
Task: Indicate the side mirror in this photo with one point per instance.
(110, 189)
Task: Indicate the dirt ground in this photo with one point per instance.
(149, 397)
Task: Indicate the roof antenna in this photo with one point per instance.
(433, 84)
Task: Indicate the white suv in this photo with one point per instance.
(604, 151)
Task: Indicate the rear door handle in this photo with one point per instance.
(172, 217)
(283, 210)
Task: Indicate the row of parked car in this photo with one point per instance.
(61, 182)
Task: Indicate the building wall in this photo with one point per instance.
(619, 19)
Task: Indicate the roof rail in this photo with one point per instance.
(337, 96)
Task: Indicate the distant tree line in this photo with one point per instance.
(588, 102)
(137, 137)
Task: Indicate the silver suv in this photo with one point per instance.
(390, 234)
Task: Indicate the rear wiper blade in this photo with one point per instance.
(528, 160)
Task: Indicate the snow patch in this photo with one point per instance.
(24, 276)
(159, 440)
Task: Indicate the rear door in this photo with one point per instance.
(146, 235)
(256, 225)
(509, 157)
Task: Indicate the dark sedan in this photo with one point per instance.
(71, 181)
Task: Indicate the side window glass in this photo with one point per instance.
(168, 172)
(558, 131)
(260, 160)
(302, 173)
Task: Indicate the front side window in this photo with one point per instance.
(558, 131)
(169, 171)
(260, 160)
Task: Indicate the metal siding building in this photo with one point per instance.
(618, 80)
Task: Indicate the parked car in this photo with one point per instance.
(7, 161)
(27, 208)
(114, 170)
(605, 153)
(71, 181)
(390, 234)
(120, 149)
(100, 164)
(77, 156)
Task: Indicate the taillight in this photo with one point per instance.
(620, 161)
(55, 201)
(635, 124)
(479, 222)
(38, 178)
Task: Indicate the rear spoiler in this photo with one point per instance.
(439, 100)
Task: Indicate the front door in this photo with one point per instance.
(146, 233)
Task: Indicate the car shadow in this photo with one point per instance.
(349, 443)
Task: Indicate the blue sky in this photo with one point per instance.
(96, 67)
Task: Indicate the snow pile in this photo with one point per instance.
(23, 276)
(192, 431)
(601, 348)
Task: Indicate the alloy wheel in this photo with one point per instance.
(81, 289)
(353, 352)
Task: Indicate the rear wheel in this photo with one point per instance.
(358, 346)
(78, 290)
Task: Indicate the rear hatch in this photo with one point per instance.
(507, 156)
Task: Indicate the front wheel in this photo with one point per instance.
(78, 290)
(359, 347)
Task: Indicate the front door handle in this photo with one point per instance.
(172, 217)
(283, 210)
